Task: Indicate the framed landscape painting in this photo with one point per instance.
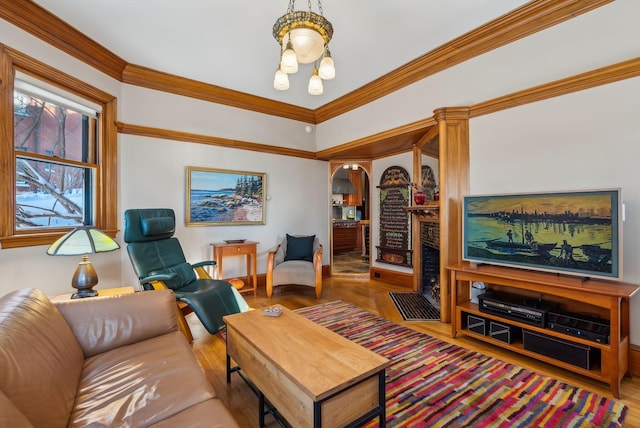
(573, 232)
(218, 197)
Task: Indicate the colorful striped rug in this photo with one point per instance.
(431, 383)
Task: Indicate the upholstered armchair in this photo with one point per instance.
(295, 260)
(159, 262)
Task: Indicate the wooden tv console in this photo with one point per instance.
(607, 300)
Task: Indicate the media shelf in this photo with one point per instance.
(608, 300)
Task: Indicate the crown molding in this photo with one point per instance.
(160, 81)
(37, 21)
(590, 79)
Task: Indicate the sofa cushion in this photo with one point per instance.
(10, 416)
(40, 359)
(104, 323)
(299, 248)
(140, 384)
(295, 272)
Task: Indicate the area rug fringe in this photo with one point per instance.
(432, 383)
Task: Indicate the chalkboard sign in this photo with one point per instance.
(395, 221)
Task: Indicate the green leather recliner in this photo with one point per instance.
(159, 262)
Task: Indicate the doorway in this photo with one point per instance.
(350, 219)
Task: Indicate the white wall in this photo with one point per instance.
(586, 140)
(601, 37)
(154, 174)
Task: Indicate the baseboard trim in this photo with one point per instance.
(391, 277)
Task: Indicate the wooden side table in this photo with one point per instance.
(101, 293)
(248, 249)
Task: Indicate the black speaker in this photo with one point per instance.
(573, 353)
(504, 332)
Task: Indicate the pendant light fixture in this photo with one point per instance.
(304, 37)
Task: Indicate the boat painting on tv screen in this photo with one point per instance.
(573, 232)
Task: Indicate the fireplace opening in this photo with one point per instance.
(430, 283)
(430, 261)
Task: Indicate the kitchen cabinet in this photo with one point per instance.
(345, 236)
(355, 177)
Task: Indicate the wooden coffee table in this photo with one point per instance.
(311, 375)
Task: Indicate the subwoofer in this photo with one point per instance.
(573, 353)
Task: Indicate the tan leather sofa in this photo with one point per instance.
(115, 361)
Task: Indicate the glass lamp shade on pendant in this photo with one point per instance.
(327, 70)
(289, 61)
(281, 80)
(315, 84)
(304, 38)
(83, 240)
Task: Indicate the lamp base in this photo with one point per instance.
(80, 294)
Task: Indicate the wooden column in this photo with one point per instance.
(416, 222)
(453, 123)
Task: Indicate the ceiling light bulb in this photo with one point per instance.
(354, 167)
(281, 80)
(289, 62)
(345, 166)
(327, 69)
(315, 83)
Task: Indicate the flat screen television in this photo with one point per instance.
(573, 232)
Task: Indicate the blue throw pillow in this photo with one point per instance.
(299, 248)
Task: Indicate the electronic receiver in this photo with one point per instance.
(515, 307)
(579, 325)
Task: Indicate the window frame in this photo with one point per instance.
(105, 187)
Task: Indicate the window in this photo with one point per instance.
(60, 181)
(62, 169)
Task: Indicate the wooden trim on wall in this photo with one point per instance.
(37, 69)
(521, 22)
(371, 139)
(391, 277)
(37, 21)
(152, 79)
(590, 79)
(106, 216)
(107, 209)
(146, 131)
(7, 162)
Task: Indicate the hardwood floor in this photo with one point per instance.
(371, 296)
(349, 262)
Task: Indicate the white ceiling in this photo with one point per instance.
(230, 44)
